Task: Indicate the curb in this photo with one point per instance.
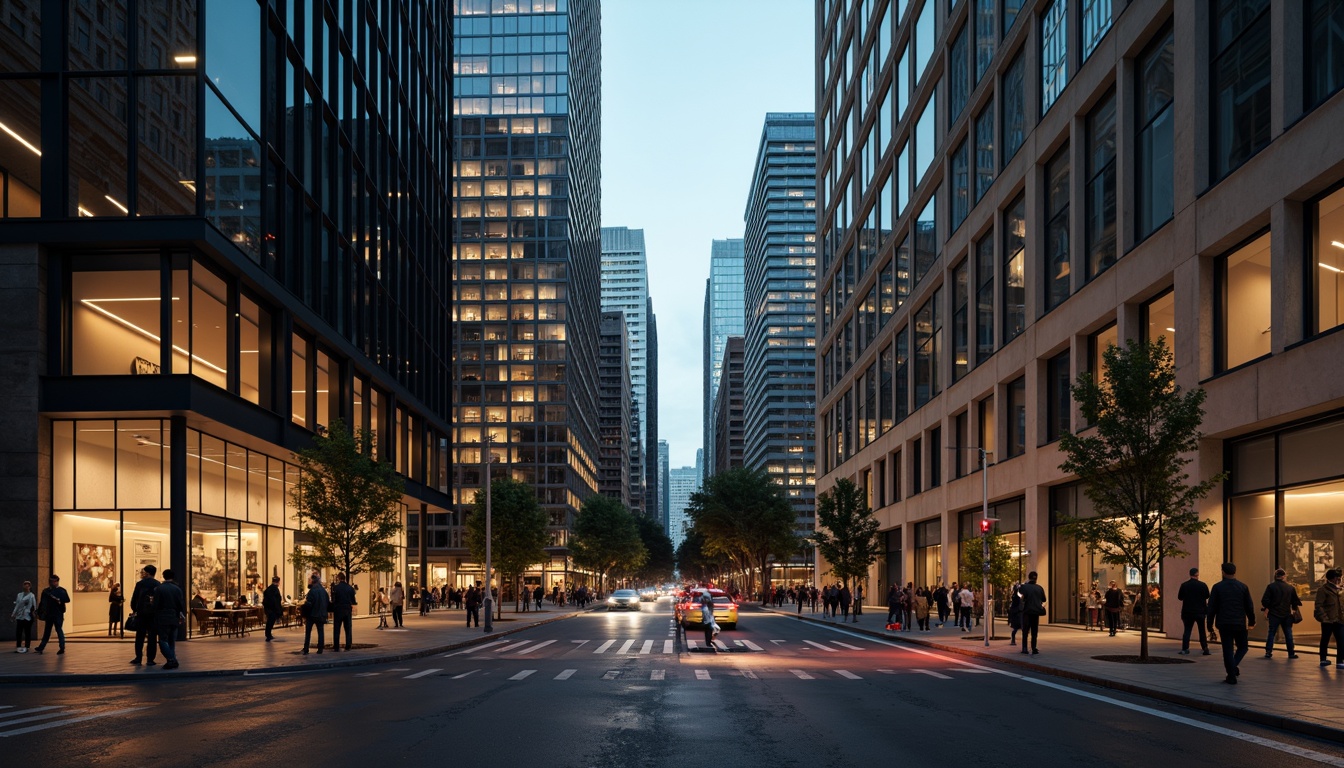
(84, 678)
(1282, 722)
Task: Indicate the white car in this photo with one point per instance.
(623, 599)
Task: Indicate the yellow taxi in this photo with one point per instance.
(687, 608)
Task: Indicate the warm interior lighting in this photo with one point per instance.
(113, 201)
(1171, 330)
(1332, 269)
(189, 184)
(85, 212)
(185, 58)
(30, 147)
(1335, 243)
(93, 304)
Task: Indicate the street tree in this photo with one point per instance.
(846, 534)
(518, 535)
(695, 564)
(661, 562)
(1002, 564)
(349, 504)
(606, 539)
(744, 515)
(1132, 463)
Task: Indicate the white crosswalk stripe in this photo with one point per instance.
(523, 675)
(667, 646)
(847, 645)
(931, 673)
(603, 647)
(568, 673)
(424, 673)
(847, 674)
(815, 644)
(801, 675)
(542, 644)
(658, 674)
(41, 718)
(702, 674)
(647, 648)
(625, 647)
(466, 674)
(512, 647)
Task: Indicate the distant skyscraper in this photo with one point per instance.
(615, 409)
(681, 484)
(728, 424)
(526, 249)
(655, 505)
(625, 287)
(724, 317)
(780, 368)
(663, 499)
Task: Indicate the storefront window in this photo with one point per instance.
(1076, 571)
(254, 352)
(929, 553)
(1327, 267)
(1244, 311)
(114, 325)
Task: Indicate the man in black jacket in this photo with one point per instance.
(1279, 601)
(1033, 608)
(51, 609)
(170, 610)
(342, 608)
(142, 599)
(1194, 597)
(272, 604)
(1231, 610)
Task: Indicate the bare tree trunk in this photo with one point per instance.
(1143, 595)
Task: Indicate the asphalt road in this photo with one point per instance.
(624, 690)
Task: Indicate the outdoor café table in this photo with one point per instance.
(235, 618)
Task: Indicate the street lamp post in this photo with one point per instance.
(985, 524)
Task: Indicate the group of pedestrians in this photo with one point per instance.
(837, 599)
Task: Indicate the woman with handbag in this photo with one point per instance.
(116, 602)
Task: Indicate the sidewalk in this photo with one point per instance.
(1297, 695)
(95, 659)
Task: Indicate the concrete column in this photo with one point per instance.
(1290, 295)
(179, 529)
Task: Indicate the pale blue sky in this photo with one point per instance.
(685, 88)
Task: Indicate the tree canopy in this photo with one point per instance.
(695, 564)
(349, 504)
(606, 539)
(1132, 464)
(744, 515)
(518, 535)
(661, 562)
(1002, 566)
(846, 534)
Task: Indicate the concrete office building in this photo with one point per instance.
(208, 254)
(625, 287)
(655, 505)
(1007, 189)
(664, 501)
(724, 316)
(616, 414)
(682, 482)
(729, 432)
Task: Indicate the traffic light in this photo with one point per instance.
(984, 526)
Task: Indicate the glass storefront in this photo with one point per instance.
(929, 553)
(1009, 526)
(1076, 571)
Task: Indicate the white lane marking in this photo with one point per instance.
(847, 645)
(752, 646)
(475, 648)
(819, 645)
(400, 669)
(778, 642)
(368, 674)
(71, 721)
(702, 674)
(719, 644)
(603, 647)
(27, 711)
(846, 674)
(647, 648)
(465, 674)
(425, 673)
(523, 674)
(1261, 741)
(512, 647)
(801, 675)
(658, 674)
(538, 646)
(667, 646)
(747, 673)
(612, 674)
(625, 647)
(931, 673)
(60, 711)
(568, 673)
(887, 671)
(579, 643)
(6, 706)
(971, 671)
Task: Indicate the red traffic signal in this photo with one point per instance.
(984, 526)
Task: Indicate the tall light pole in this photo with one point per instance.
(986, 522)
(486, 461)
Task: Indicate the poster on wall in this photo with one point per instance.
(146, 553)
(1322, 558)
(228, 569)
(95, 567)
(251, 571)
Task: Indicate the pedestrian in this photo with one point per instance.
(1331, 617)
(1194, 598)
(940, 602)
(1094, 604)
(1231, 609)
(343, 611)
(908, 606)
(315, 606)
(25, 610)
(893, 604)
(922, 609)
(142, 608)
(1015, 613)
(1280, 602)
(846, 598)
(538, 594)
(381, 604)
(813, 594)
(1033, 608)
(170, 612)
(51, 610)
(858, 601)
(967, 603)
(707, 620)
(800, 596)
(398, 598)
(473, 606)
(273, 606)
(116, 605)
(1115, 602)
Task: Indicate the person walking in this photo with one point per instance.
(893, 604)
(398, 598)
(707, 620)
(51, 610)
(1279, 603)
(922, 609)
(1094, 604)
(858, 601)
(343, 612)
(315, 606)
(382, 603)
(1115, 602)
(846, 599)
(1231, 609)
(170, 611)
(116, 606)
(272, 604)
(25, 609)
(1015, 613)
(1033, 608)
(908, 606)
(1194, 598)
(1328, 612)
(940, 601)
(142, 608)
(967, 603)
(473, 606)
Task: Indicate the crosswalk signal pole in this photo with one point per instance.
(986, 522)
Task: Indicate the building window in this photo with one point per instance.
(1159, 320)
(1155, 94)
(1054, 53)
(1324, 50)
(1245, 288)
(1239, 120)
(959, 75)
(985, 414)
(961, 460)
(1096, 23)
(916, 467)
(1014, 269)
(926, 239)
(902, 272)
(926, 30)
(1327, 261)
(895, 463)
(1011, 10)
(984, 298)
(20, 158)
(928, 348)
(935, 457)
(926, 137)
(1014, 107)
(1059, 403)
(984, 150)
(902, 374)
(1097, 345)
(929, 552)
(886, 364)
(1017, 417)
(960, 320)
(1057, 269)
(115, 321)
(1100, 193)
(984, 37)
(887, 297)
(961, 172)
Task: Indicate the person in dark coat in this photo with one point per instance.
(1115, 602)
(473, 603)
(170, 611)
(273, 605)
(1194, 598)
(343, 609)
(315, 613)
(893, 604)
(51, 605)
(142, 599)
(116, 611)
(1278, 602)
(1015, 614)
(846, 598)
(1231, 610)
(1033, 608)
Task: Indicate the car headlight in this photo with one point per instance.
(611, 601)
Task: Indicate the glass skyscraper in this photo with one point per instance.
(526, 254)
(724, 308)
(625, 288)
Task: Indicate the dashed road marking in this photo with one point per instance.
(425, 673)
(568, 673)
(847, 645)
(538, 646)
(658, 674)
(523, 675)
(465, 674)
(612, 674)
(931, 673)
(801, 675)
(847, 674)
(702, 674)
(815, 644)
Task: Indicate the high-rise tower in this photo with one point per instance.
(724, 308)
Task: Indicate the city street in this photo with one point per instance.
(611, 689)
